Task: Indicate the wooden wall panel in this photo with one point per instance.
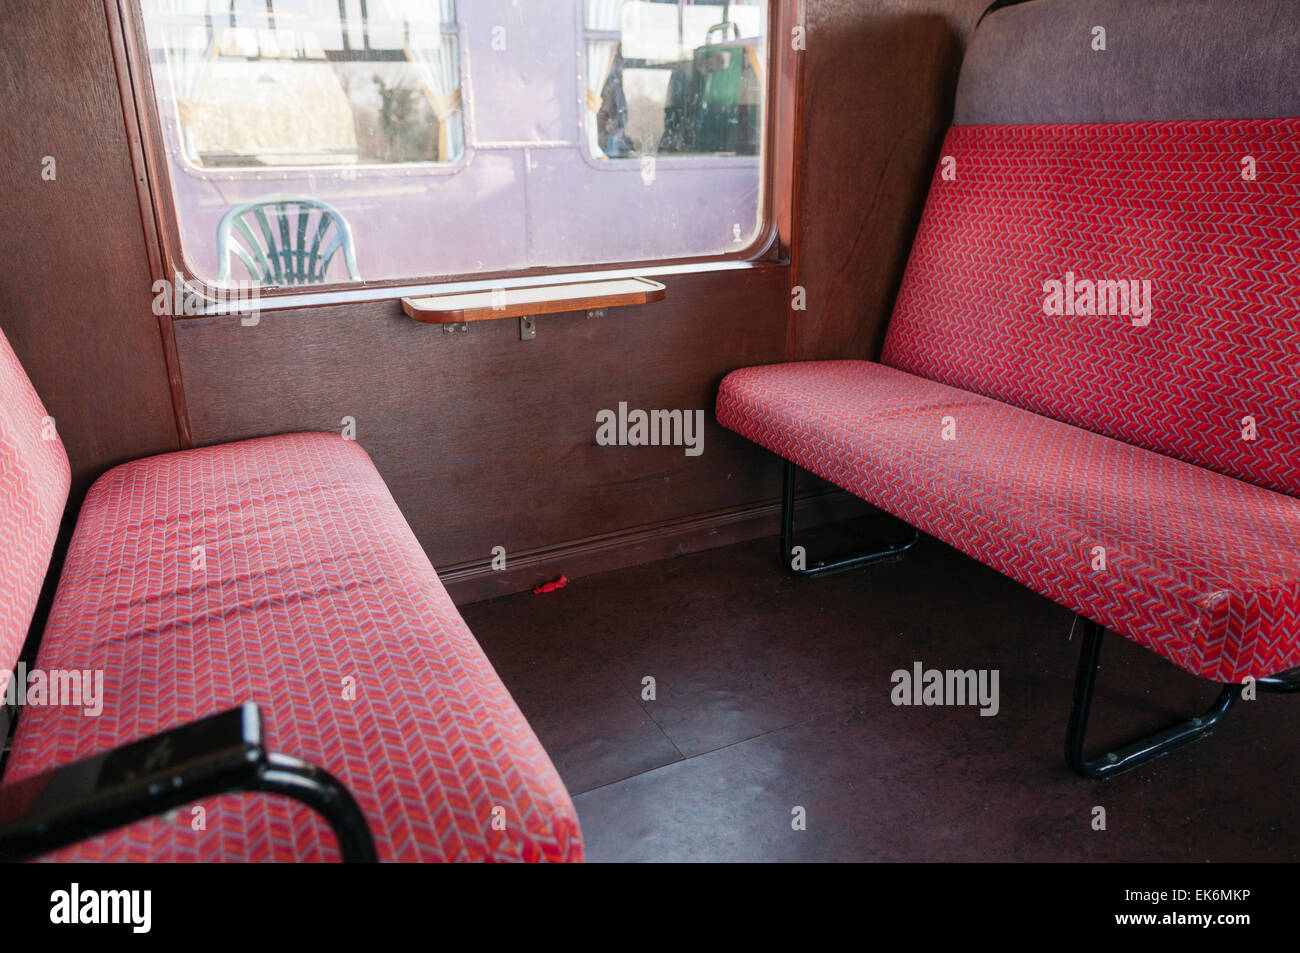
(486, 440)
(75, 289)
(879, 81)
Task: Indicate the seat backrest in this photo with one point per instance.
(284, 240)
(1112, 237)
(34, 479)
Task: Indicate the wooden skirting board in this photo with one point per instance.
(472, 582)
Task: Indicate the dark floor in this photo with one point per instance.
(773, 692)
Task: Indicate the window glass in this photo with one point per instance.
(253, 84)
(329, 141)
(670, 79)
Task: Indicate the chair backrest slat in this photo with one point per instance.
(304, 268)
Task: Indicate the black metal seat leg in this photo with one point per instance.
(1282, 683)
(1138, 752)
(824, 567)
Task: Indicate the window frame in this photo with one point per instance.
(777, 160)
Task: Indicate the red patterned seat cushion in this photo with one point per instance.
(317, 602)
(1200, 567)
(1170, 203)
(34, 479)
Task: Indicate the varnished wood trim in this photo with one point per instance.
(789, 173)
(118, 16)
(539, 299)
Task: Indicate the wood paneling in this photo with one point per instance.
(486, 440)
(879, 80)
(76, 289)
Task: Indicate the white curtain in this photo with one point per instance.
(436, 56)
(187, 38)
(600, 16)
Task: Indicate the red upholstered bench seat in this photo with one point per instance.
(1200, 567)
(1106, 312)
(311, 597)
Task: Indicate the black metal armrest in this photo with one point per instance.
(215, 755)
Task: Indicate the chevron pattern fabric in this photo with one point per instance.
(281, 570)
(34, 481)
(1075, 430)
(1200, 567)
(1170, 203)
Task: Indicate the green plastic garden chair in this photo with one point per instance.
(285, 240)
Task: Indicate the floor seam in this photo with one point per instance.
(660, 728)
(687, 758)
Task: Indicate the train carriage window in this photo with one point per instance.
(435, 139)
